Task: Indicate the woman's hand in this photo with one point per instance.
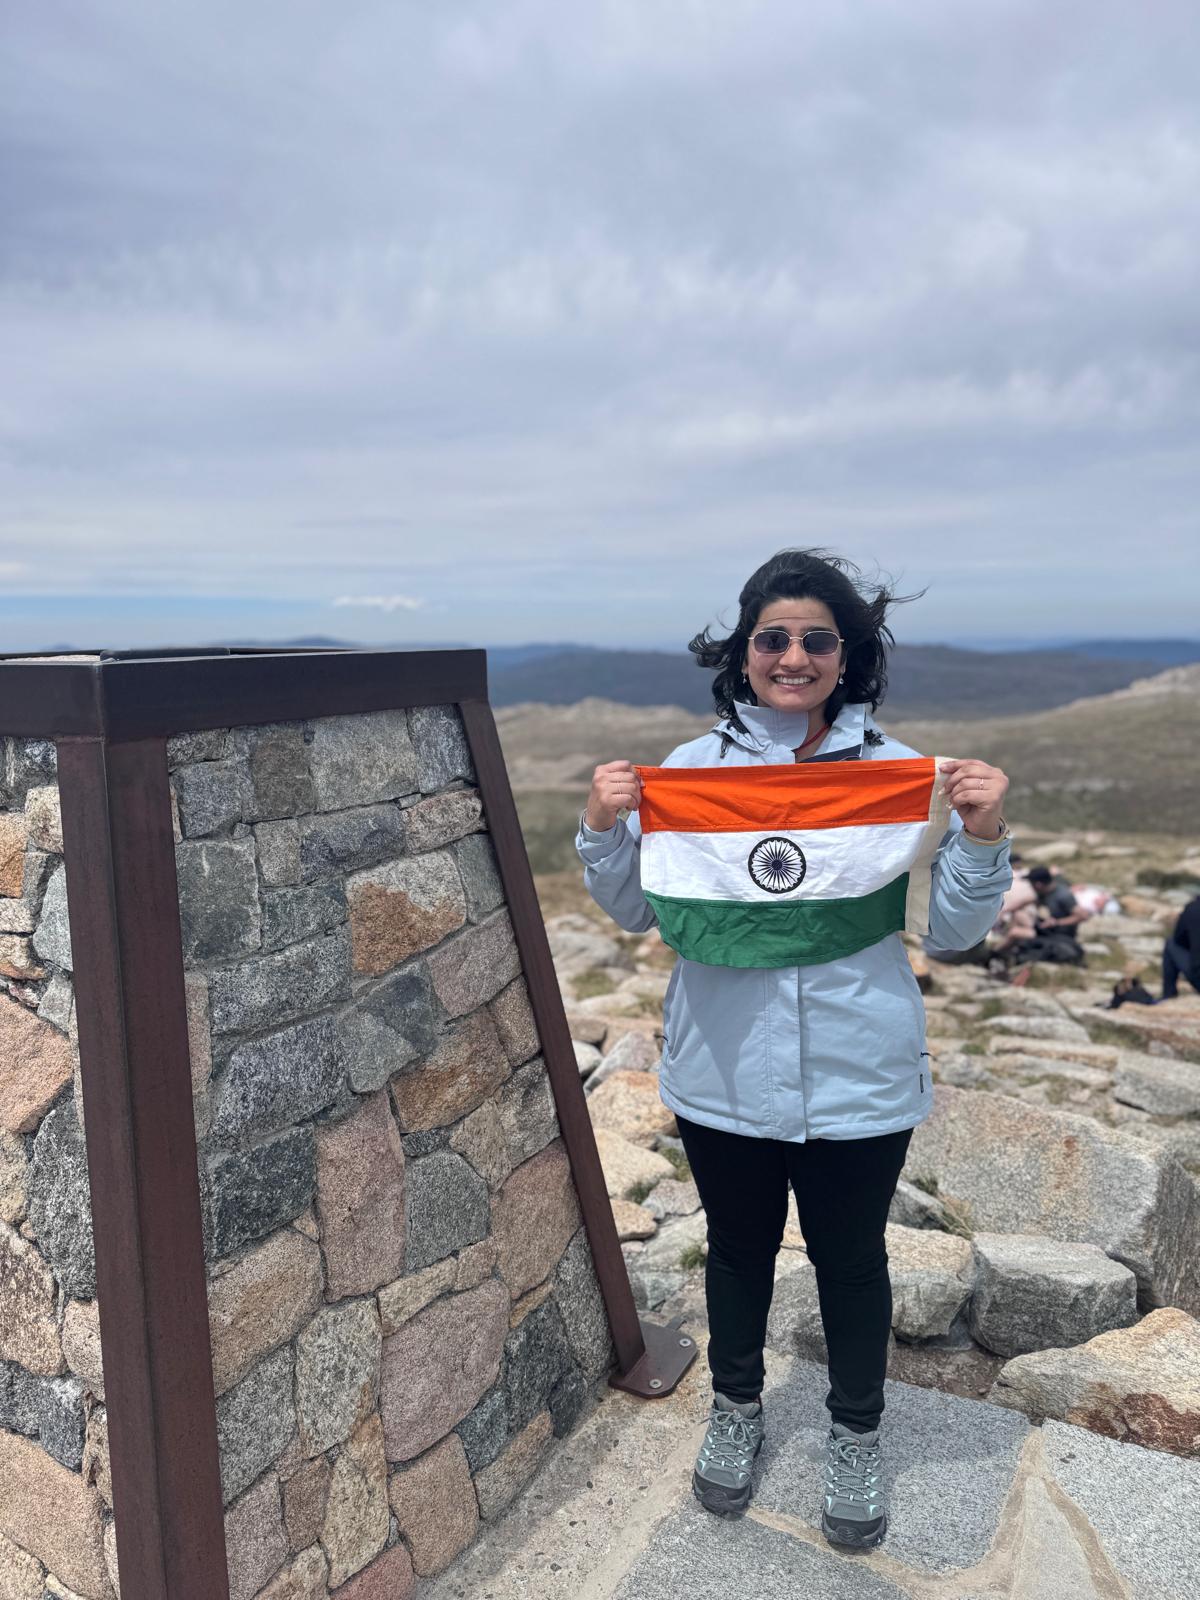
(976, 791)
(614, 786)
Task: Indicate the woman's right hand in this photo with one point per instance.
(615, 786)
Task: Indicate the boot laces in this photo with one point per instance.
(730, 1440)
(851, 1469)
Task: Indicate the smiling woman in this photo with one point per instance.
(794, 1049)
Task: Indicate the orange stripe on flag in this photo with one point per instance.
(831, 794)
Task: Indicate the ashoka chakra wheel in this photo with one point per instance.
(777, 865)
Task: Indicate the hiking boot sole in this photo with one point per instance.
(846, 1535)
(721, 1500)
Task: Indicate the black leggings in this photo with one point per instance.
(843, 1189)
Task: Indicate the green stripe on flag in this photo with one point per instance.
(792, 933)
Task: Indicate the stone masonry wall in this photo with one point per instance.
(55, 1518)
(403, 1307)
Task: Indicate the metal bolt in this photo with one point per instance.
(685, 1343)
(656, 1383)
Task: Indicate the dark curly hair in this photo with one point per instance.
(859, 609)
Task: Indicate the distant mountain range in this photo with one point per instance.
(925, 680)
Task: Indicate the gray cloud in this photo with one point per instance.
(562, 315)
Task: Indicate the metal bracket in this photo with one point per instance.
(668, 1355)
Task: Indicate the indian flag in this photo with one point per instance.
(789, 866)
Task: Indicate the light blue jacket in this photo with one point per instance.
(834, 1051)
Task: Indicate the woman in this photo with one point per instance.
(811, 1076)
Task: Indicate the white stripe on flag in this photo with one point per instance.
(839, 863)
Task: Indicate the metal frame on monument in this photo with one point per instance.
(110, 715)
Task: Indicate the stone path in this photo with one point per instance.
(984, 1506)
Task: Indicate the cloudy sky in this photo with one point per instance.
(525, 320)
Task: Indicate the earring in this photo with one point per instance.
(842, 678)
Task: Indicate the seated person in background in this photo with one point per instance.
(1057, 907)
(1181, 952)
(1016, 922)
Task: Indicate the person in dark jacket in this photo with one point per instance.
(1181, 953)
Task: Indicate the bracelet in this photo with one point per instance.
(1004, 835)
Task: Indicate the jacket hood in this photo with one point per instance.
(769, 728)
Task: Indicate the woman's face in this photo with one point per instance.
(794, 681)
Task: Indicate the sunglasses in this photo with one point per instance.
(816, 642)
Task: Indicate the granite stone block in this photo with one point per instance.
(567, 1401)
(440, 741)
(443, 818)
(265, 991)
(278, 1079)
(250, 1193)
(346, 841)
(463, 1070)
(52, 1514)
(434, 1504)
(360, 1199)
(60, 1209)
(293, 914)
(484, 1431)
(584, 1316)
(473, 967)
(52, 941)
(536, 1357)
(387, 1027)
(513, 1015)
(279, 782)
(204, 744)
(438, 1365)
(527, 1111)
(261, 1302)
(255, 1544)
(255, 1420)
(209, 795)
(337, 1373)
(534, 1218)
(480, 875)
(447, 1208)
(498, 1485)
(357, 1516)
(35, 1067)
(401, 908)
(359, 760)
(278, 846)
(219, 912)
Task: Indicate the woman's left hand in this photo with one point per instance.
(976, 791)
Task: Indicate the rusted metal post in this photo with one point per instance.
(650, 1359)
(141, 1146)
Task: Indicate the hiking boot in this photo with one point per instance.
(721, 1481)
(853, 1512)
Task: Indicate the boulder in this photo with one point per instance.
(1033, 1292)
(932, 1276)
(1023, 1169)
(913, 1208)
(577, 949)
(671, 1198)
(1165, 1088)
(627, 1165)
(587, 1057)
(633, 1221)
(629, 1104)
(794, 1326)
(1139, 1383)
(1059, 1028)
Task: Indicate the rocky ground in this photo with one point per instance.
(1045, 1240)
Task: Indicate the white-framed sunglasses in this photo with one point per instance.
(775, 641)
